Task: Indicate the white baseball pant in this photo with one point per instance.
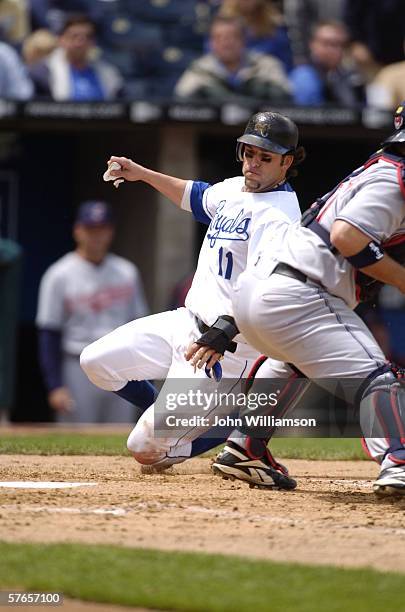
(153, 348)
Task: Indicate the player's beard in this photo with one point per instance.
(252, 184)
(256, 186)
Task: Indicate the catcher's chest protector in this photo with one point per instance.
(399, 162)
(367, 288)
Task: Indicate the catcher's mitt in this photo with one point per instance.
(368, 287)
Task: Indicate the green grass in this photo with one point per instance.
(194, 582)
(56, 443)
(318, 448)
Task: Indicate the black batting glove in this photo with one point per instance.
(219, 336)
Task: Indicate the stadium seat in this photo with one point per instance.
(122, 32)
(137, 89)
(185, 36)
(162, 11)
(170, 65)
(126, 61)
(52, 13)
(174, 60)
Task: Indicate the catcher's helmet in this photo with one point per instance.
(399, 123)
(270, 131)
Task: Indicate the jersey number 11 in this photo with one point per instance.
(229, 263)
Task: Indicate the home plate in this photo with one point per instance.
(38, 484)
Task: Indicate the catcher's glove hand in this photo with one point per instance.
(369, 287)
(219, 336)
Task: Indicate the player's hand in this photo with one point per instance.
(61, 400)
(130, 171)
(200, 356)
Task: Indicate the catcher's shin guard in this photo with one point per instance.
(382, 403)
(382, 415)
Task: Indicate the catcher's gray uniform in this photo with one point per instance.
(309, 321)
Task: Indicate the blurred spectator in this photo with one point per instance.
(71, 72)
(38, 45)
(301, 16)
(14, 22)
(230, 71)
(365, 66)
(14, 81)
(379, 25)
(84, 295)
(387, 90)
(325, 79)
(265, 31)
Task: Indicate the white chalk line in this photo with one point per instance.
(49, 510)
(39, 484)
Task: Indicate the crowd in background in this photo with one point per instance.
(310, 52)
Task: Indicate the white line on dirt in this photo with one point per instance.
(38, 484)
(50, 510)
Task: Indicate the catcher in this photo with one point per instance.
(297, 306)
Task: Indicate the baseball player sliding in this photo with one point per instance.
(295, 303)
(154, 347)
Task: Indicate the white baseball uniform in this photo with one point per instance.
(153, 347)
(311, 324)
(85, 301)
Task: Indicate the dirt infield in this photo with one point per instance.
(332, 518)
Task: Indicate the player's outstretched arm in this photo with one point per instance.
(170, 186)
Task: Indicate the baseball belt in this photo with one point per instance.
(286, 270)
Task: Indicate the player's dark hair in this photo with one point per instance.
(299, 155)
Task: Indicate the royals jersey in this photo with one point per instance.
(231, 215)
(85, 301)
(370, 200)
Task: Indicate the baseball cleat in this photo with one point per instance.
(391, 481)
(233, 462)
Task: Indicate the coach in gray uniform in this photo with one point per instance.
(83, 296)
(295, 301)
